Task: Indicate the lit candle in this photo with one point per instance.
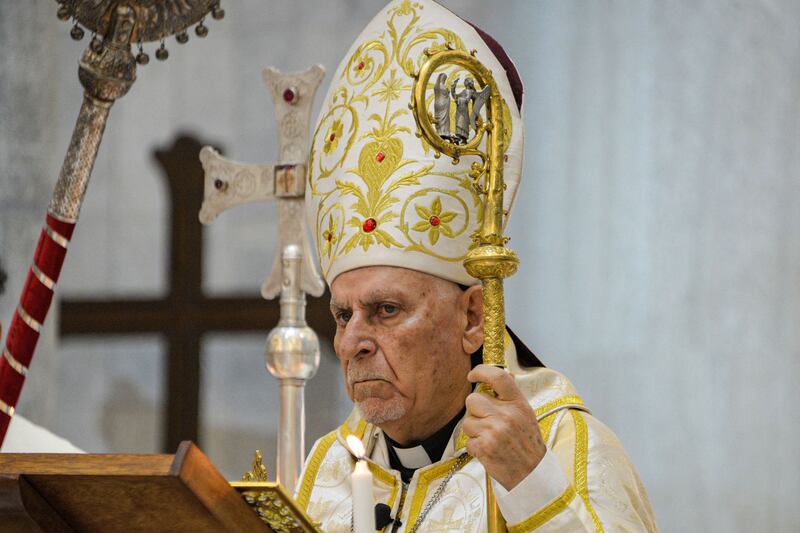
(361, 484)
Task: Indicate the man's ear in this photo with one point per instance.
(473, 331)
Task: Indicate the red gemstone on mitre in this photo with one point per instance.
(329, 237)
(289, 94)
(369, 225)
(434, 220)
(380, 157)
(332, 137)
(360, 65)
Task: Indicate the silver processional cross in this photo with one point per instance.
(292, 353)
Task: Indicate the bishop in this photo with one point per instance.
(393, 222)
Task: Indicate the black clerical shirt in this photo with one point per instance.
(433, 447)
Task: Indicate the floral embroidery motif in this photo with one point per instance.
(333, 136)
(361, 65)
(434, 221)
(390, 89)
(329, 236)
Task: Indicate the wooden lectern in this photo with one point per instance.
(75, 493)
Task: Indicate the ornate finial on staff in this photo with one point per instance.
(489, 260)
(152, 21)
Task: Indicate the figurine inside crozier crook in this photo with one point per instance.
(468, 105)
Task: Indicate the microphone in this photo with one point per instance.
(383, 516)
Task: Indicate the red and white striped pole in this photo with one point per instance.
(23, 332)
(106, 72)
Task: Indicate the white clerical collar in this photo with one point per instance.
(413, 458)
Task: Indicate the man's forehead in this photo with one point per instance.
(377, 282)
(368, 292)
(368, 297)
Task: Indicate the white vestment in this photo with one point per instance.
(585, 482)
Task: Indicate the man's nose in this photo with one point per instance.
(357, 339)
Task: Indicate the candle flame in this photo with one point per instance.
(356, 446)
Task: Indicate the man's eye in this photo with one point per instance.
(343, 317)
(388, 309)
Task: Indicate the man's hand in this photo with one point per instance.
(503, 432)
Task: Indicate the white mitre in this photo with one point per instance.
(376, 193)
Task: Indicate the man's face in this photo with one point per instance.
(399, 337)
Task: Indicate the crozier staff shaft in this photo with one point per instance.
(490, 261)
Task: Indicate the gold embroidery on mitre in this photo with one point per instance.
(434, 221)
(329, 236)
(384, 200)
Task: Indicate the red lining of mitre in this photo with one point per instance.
(508, 65)
(514, 80)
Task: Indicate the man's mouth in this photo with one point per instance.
(356, 376)
(367, 380)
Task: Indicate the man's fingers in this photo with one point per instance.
(476, 427)
(499, 378)
(480, 405)
(472, 426)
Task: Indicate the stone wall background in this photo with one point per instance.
(657, 228)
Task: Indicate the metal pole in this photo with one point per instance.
(291, 435)
(292, 356)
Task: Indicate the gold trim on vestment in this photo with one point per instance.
(581, 465)
(381, 474)
(573, 402)
(361, 427)
(551, 510)
(545, 425)
(312, 469)
(385, 477)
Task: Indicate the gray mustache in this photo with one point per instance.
(356, 374)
